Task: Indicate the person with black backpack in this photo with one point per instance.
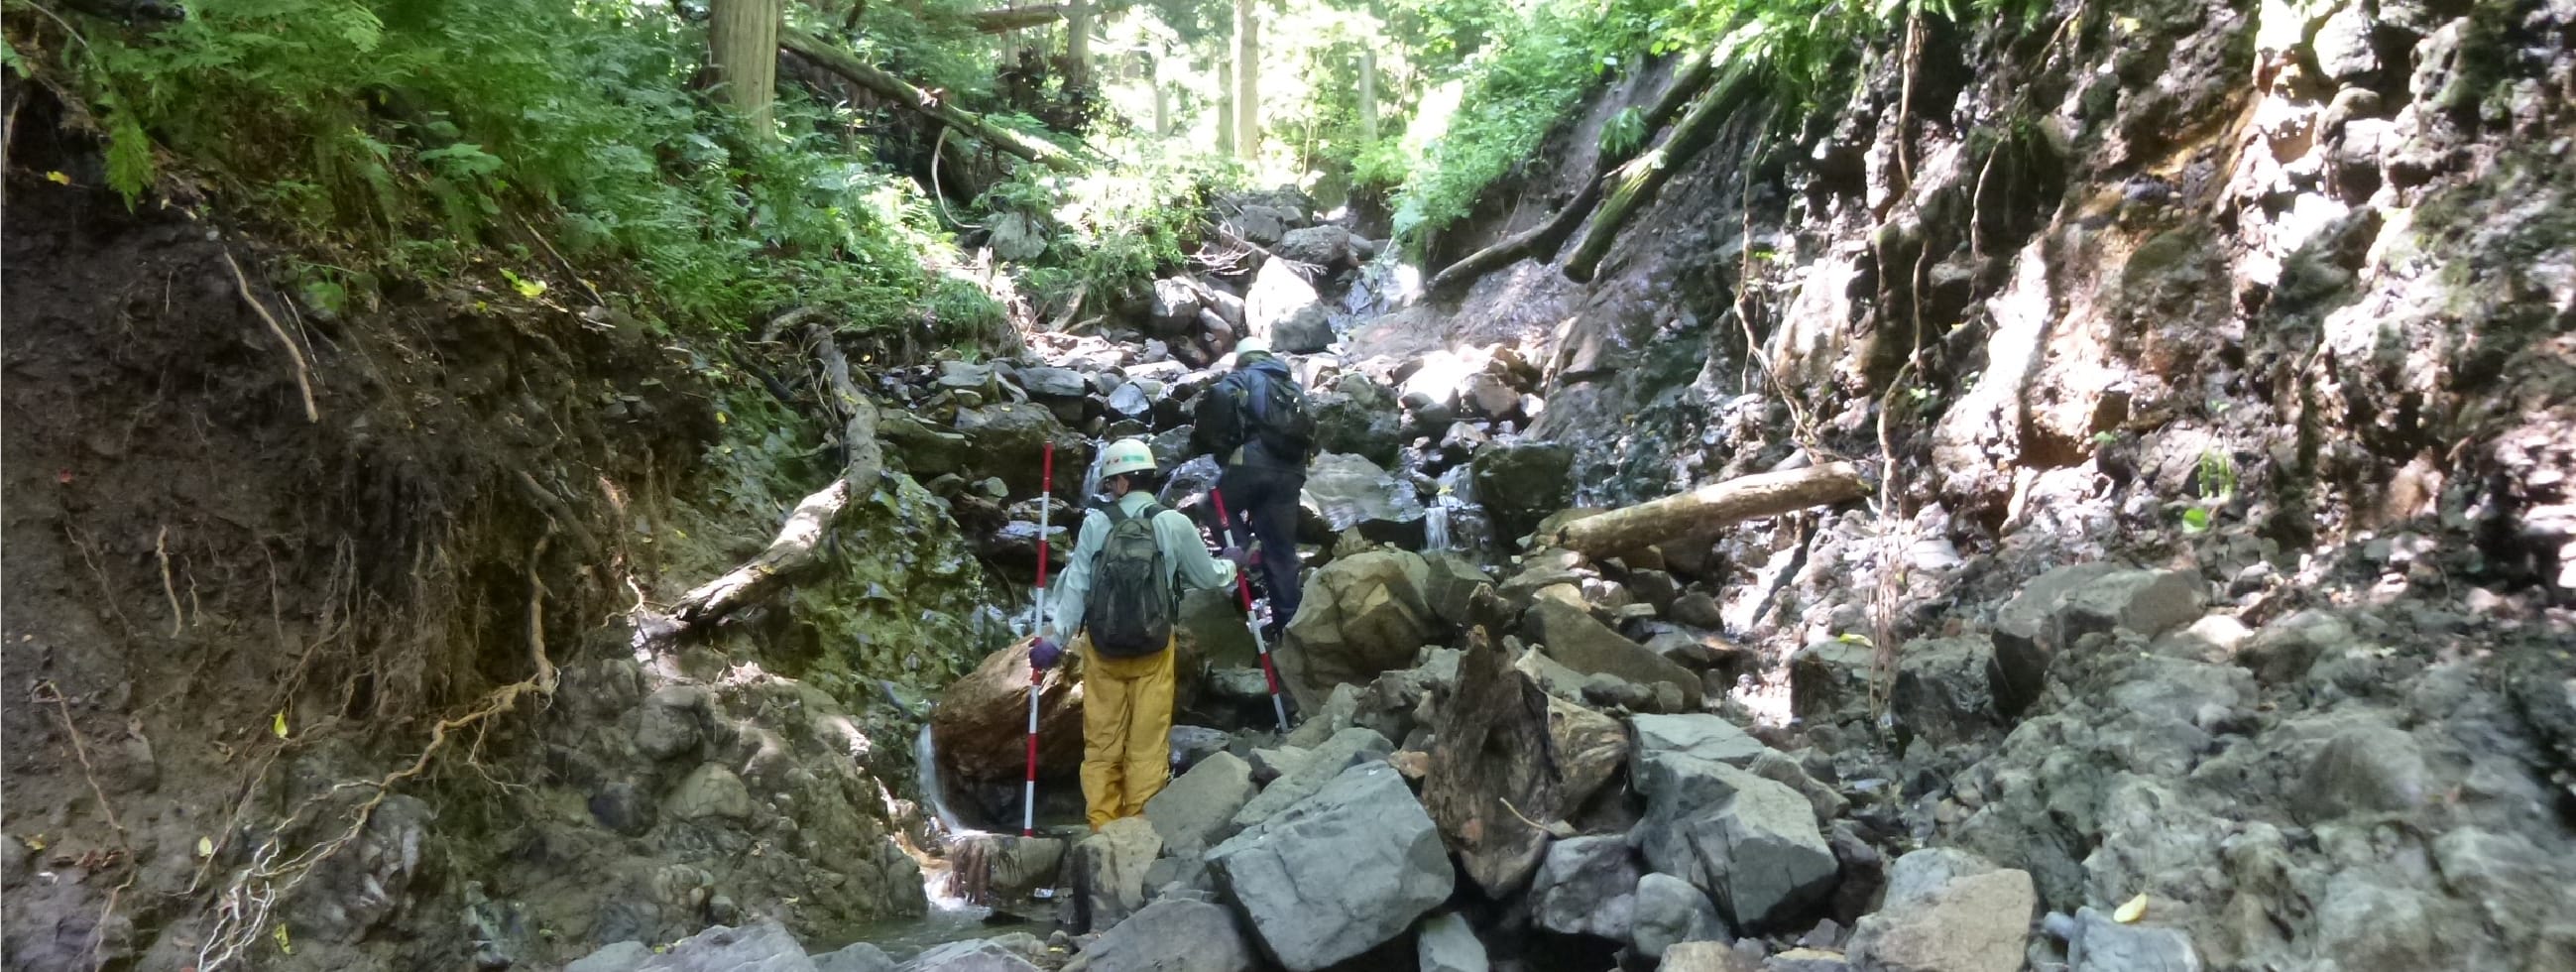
(1120, 594)
(1256, 422)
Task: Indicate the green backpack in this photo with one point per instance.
(1129, 613)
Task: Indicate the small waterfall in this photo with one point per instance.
(934, 792)
(1435, 523)
(1091, 477)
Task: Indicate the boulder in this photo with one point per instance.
(1699, 736)
(1448, 944)
(1308, 330)
(666, 725)
(1170, 936)
(1360, 417)
(1708, 957)
(1699, 610)
(1109, 872)
(1944, 692)
(2148, 602)
(1451, 589)
(1318, 770)
(1007, 440)
(1197, 809)
(1585, 886)
(1260, 224)
(1669, 911)
(1829, 680)
(1054, 383)
(1327, 246)
(1750, 842)
(1214, 618)
(709, 791)
(2025, 633)
(1348, 492)
(1277, 294)
(1570, 634)
(980, 955)
(2103, 945)
(857, 957)
(2364, 769)
(627, 956)
(1176, 305)
(1322, 722)
(1806, 960)
(764, 947)
(1362, 615)
(1339, 873)
(981, 721)
(1950, 912)
(1521, 483)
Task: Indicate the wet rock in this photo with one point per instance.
(1570, 634)
(1190, 744)
(1521, 483)
(1585, 886)
(981, 721)
(1318, 770)
(1109, 871)
(2103, 945)
(857, 957)
(1307, 331)
(1054, 383)
(666, 725)
(1327, 246)
(710, 791)
(1458, 443)
(1197, 809)
(765, 947)
(1338, 874)
(1351, 493)
(1943, 692)
(1750, 842)
(1611, 692)
(1268, 765)
(622, 807)
(1170, 936)
(1451, 588)
(1829, 680)
(965, 376)
(983, 955)
(1362, 615)
(2365, 769)
(1670, 911)
(1448, 944)
(1360, 417)
(1697, 735)
(1007, 440)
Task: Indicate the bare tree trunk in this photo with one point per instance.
(1702, 512)
(1077, 43)
(1225, 106)
(742, 47)
(1247, 80)
(1368, 92)
(1162, 99)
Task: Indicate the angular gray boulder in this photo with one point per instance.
(1585, 886)
(1109, 871)
(1341, 872)
(1351, 493)
(981, 955)
(1571, 635)
(2103, 945)
(1198, 809)
(1944, 689)
(1751, 843)
(1448, 944)
(1170, 936)
(1948, 911)
(1321, 767)
(1699, 736)
(764, 947)
(1362, 615)
(1668, 912)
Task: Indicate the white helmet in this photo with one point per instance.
(1252, 345)
(1126, 456)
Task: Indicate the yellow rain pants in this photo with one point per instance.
(1126, 731)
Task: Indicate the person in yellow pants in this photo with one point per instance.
(1127, 697)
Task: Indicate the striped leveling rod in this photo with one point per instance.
(1046, 505)
(1243, 586)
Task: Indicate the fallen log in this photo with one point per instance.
(800, 541)
(1494, 769)
(1008, 19)
(1636, 182)
(832, 58)
(1703, 512)
(1540, 242)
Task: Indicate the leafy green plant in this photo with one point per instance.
(1625, 131)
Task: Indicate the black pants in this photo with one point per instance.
(1267, 499)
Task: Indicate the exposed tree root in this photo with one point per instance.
(294, 352)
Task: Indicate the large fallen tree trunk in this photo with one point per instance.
(1540, 242)
(1015, 18)
(1636, 182)
(905, 93)
(1702, 512)
(799, 543)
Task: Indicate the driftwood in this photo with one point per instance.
(1708, 509)
(1540, 242)
(1636, 182)
(800, 541)
(832, 58)
(1493, 769)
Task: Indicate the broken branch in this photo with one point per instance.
(905, 93)
(1702, 512)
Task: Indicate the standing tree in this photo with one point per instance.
(1247, 80)
(1224, 106)
(742, 50)
(1077, 44)
(1368, 89)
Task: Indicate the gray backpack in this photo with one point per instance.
(1129, 613)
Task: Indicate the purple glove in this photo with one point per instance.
(1238, 556)
(1043, 654)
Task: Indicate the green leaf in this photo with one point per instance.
(2195, 520)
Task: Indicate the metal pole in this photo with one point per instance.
(1260, 645)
